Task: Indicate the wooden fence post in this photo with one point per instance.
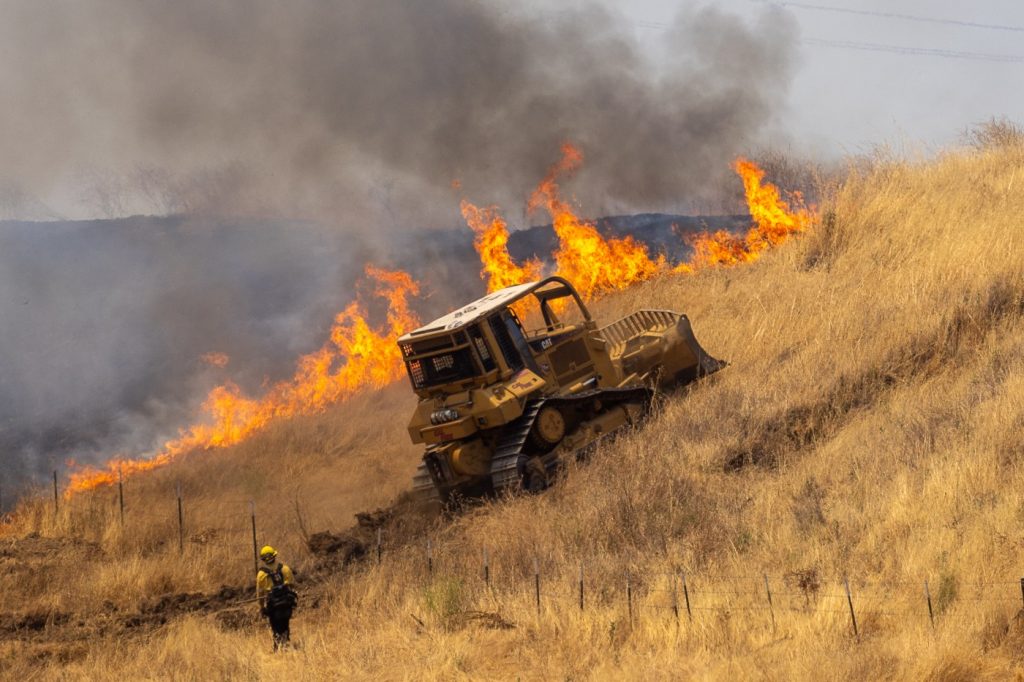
(581, 586)
(487, 569)
(853, 616)
(675, 601)
(255, 545)
(181, 522)
(536, 582)
(928, 596)
(120, 492)
(56, 504)
(686, 596)
(629, 598)
(771, 606)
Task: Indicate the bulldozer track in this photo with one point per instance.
(505, 466)
(509, 462)
(423, 486)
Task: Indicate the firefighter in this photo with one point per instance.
(276, 596)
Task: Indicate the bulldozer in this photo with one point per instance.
(502, 406)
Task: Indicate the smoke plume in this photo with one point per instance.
(360, 109)
(318, 133)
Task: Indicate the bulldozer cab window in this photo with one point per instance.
(551, 308)
(559, 312)
(512, 341)
(483, 352)
(442, 368)
(450, 359)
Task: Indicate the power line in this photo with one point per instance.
(919, 51)
(891, 15)
(879, 47)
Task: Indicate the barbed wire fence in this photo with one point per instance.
(686, 598)
(553, 588)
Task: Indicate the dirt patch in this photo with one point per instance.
(59, 626)
(188, 602)
(404, 522)
(35, 547)
(32, 622)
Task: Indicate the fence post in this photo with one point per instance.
(487, 569)
(675, 601)
(255, 547)
(56, 504)
(581, 586)
(120, 492)
(686, 597)
(629, 598)
(181, 522)
(771, 606)
(853, 616)
(536, 582)
(380, 547)
(928, 596)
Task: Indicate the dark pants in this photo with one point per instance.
(279, 618)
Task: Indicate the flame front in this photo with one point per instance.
(491, 243)
(593, 263)
(596, 264)
(356, 357)
(774, 223)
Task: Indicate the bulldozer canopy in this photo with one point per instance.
(545, 289)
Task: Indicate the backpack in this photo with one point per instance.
(281, 595)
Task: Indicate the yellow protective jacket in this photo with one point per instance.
(264, 582)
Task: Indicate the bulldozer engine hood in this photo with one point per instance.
(446, 418)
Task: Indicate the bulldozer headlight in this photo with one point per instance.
(443, 416)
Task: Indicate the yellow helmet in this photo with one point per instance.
(268, 553)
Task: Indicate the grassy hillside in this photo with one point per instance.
(870, 427)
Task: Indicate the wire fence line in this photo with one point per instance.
(600, 583)
(691, 597)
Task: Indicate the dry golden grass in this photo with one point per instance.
(871, 425)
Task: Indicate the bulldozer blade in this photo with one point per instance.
(706, 364)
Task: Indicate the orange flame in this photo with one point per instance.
(491, 243)
(356, 357)
(597, 265)
(774, 223)
(593, 263)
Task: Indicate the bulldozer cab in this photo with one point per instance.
(488, 341)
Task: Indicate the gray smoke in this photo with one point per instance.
(105, 324)
(319, 132)
(363, 110)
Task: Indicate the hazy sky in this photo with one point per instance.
(847, 100)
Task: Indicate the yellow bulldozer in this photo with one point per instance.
(502, 405)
